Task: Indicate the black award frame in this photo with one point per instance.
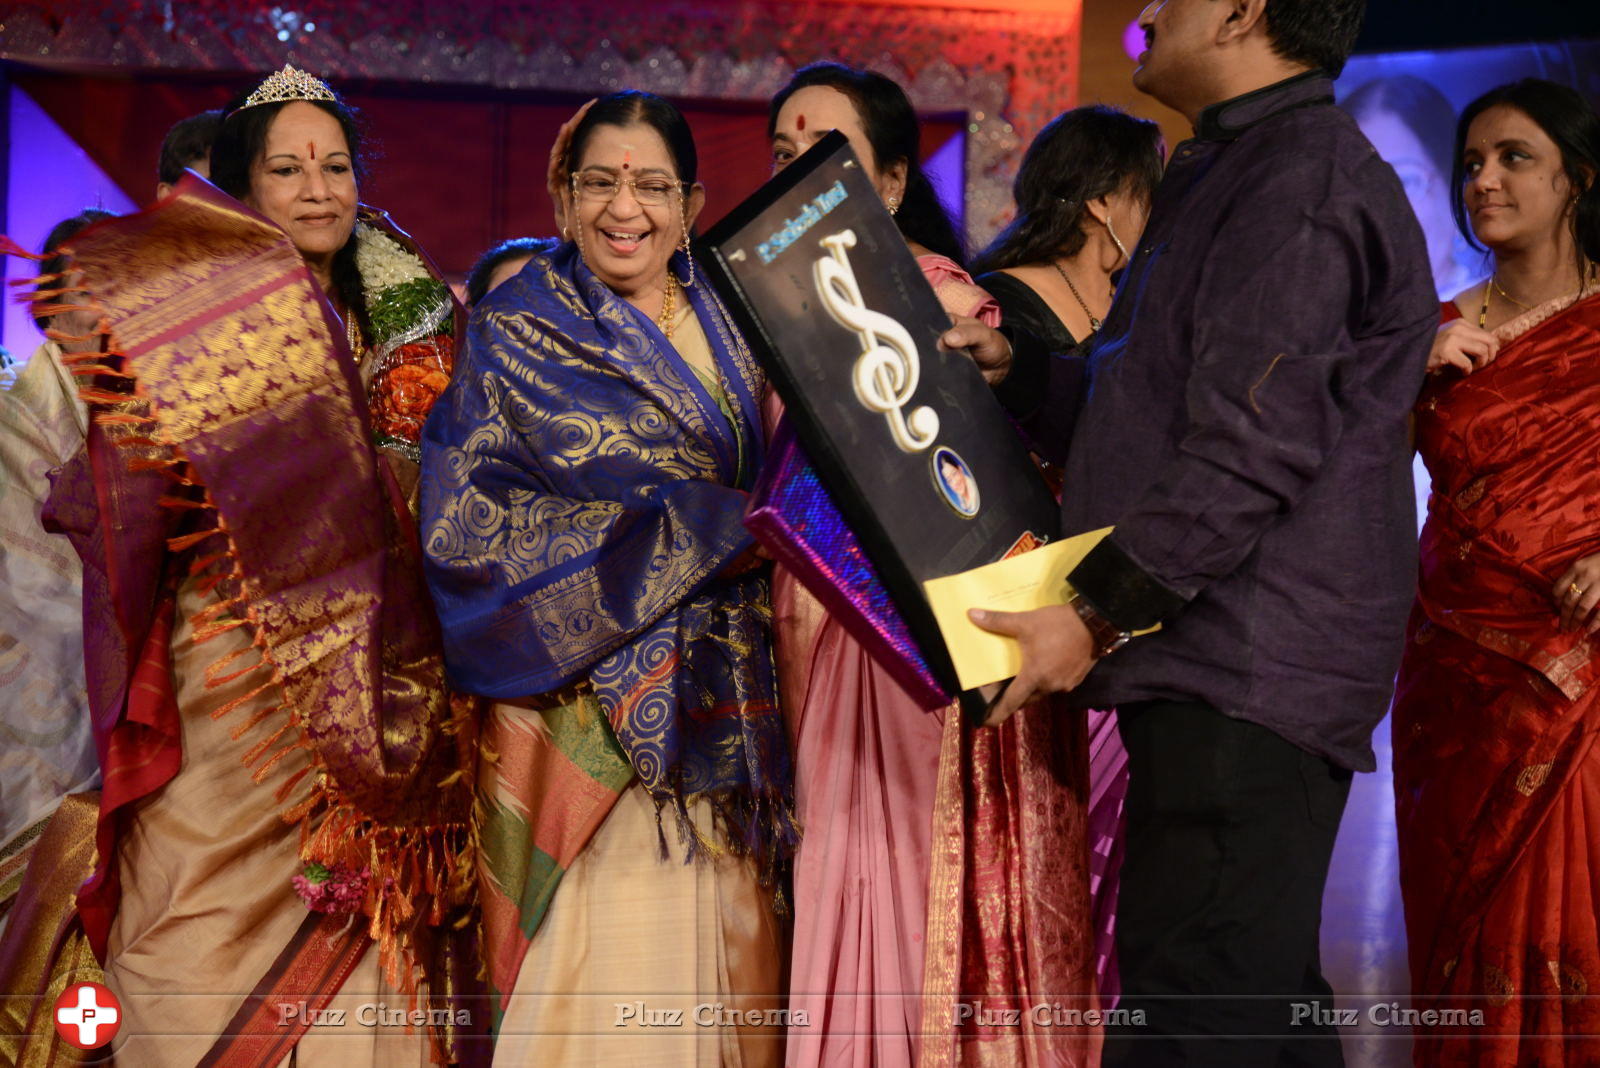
(915, 451)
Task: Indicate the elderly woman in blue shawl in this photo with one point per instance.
(585, 477)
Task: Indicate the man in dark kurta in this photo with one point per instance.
(1244, 427)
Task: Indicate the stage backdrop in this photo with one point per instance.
(459, 169)
(1000, 68)
(464, 97)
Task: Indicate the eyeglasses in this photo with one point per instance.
(598, 187)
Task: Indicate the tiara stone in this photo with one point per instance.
(290, 83)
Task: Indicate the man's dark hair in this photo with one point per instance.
(478, 277)
(1318, 33)
(189, 140)
(58, 236)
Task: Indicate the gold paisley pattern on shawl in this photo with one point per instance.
(249, 353)
(583, 493)
(588, 405)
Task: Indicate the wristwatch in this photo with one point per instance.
(1104, 633)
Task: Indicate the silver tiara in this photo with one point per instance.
(290, 83)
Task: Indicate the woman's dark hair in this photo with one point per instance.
(1568, 120)
(54, 262)
(1082, 154)
(490, 261)
(1415, 103)
(893, 132)
(632, 106)
(240, 141)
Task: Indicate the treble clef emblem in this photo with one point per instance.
(886, 373)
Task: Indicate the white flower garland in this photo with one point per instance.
(384, 262)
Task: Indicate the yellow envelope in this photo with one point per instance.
(1022, 583)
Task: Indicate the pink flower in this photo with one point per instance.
(339, 889)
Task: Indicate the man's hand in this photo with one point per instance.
(1057, 652)
(987, 346)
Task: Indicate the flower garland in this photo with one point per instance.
(340, 889)
(410, 313)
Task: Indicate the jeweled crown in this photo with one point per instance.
(290, 83)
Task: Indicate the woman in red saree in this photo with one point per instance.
(1497, 776)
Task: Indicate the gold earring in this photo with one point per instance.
(894, 205)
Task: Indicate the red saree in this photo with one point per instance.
(1497, 778)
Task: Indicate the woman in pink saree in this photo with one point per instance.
(941, 878)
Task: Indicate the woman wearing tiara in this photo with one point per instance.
(283, 831)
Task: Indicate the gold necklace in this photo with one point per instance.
(668, 307)
(1494, 286)
(1494, 280)
(1094, 324)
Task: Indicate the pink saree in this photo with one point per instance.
(941, 879)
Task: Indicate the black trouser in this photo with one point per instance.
(1230, 831)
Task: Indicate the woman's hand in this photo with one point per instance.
(748, 560)
(1576, 594)
(556, 176)
(987, 346)
(1463, 346)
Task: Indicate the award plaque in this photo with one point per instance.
(906, 438)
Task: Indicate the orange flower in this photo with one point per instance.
(404, 390)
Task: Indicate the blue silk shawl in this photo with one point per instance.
(582, 492)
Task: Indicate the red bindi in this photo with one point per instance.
(311, 149)
(800, 122)
(627, 160)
